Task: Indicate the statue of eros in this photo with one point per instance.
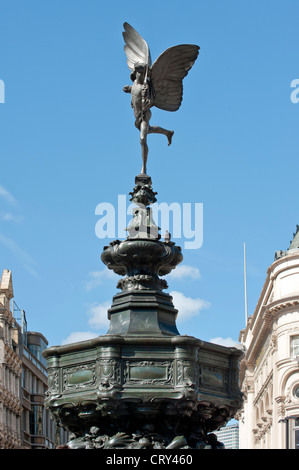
(159, 84)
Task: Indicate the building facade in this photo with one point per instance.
(24, 421)
(10, 369)
(269, 373)
(229, 436)
(39, 430)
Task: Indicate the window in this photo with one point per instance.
(36, 420)
(295, 346)
(37, 349)
(296, 430)
(296, 393)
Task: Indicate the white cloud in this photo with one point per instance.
(9, 217)
(98, 318)
(7, 196)
(78, 336)
(229, 342)
(187, 306)
(97, 278)
(185, 271)
(98, 315)
(22, 255)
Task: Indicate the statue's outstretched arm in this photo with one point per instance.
(127, 89)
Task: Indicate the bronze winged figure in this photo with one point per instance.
(159, 84)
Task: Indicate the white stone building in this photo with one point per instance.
(269, 373)
(25, 423)
(10, 369)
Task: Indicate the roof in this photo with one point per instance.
(295, 242)
(294, 245)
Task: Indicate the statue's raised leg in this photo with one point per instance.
(160, 130)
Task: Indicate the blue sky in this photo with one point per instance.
(68, 143)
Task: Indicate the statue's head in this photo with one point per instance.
(139, 67)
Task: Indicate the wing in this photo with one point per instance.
(168, 72)
(136, 47)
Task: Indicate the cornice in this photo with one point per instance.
(13, 360)
(263, 388)
(267, 315)
(262, 329)
(284, 259)
(10, 400)
(6, 316)
(9, 439)
(252, 319)
(286, 302)
(272, 273)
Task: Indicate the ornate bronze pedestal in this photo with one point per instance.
(142, 385)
